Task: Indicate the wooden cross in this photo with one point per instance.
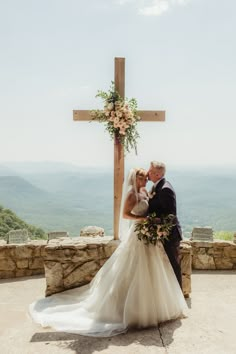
(151, 116)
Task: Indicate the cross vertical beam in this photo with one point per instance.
(118, 149)
(148, 116)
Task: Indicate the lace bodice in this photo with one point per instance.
(141, 207)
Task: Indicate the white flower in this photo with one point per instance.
(110, 106)
(117, 105)
(151, 194)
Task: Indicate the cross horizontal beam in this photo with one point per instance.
(147, 116)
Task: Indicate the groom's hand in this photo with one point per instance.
(155, 220)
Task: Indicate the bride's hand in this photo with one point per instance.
(142, 218)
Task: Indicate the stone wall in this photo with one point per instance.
(69, 262)
(213, 255)
(20, 260)
(74, 262)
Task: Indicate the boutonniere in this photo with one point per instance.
(151, 194)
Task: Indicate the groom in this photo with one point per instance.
(163, 202)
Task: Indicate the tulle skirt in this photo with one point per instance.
(136, 287)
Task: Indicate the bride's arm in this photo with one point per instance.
(128, 207)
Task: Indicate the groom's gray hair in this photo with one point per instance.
(159, 166)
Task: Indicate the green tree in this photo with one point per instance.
(10, 221)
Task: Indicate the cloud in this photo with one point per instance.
(153, 7)
(156, 8)
(123, 2)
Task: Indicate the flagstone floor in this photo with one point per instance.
(209, 328)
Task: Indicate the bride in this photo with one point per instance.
(136, 287)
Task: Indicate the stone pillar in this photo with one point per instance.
(202, 234)
(186, 266)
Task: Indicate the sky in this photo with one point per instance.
(180, 57)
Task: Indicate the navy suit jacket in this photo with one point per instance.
(164, 203)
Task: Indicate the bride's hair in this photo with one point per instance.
(130, 186)
(136, 172)
(140, 172)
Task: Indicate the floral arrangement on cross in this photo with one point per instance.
(120, 117)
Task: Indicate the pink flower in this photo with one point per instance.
(122, 132)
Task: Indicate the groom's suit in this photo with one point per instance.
(163, 203)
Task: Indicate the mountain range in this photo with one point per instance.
(60, 196)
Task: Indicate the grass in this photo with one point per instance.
(224, 235)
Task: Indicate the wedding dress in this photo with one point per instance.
(136, 287)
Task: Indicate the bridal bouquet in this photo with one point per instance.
(120, 117)
(155, 229)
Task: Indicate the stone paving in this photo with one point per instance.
(209, 328)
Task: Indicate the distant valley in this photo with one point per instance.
(66, 197)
